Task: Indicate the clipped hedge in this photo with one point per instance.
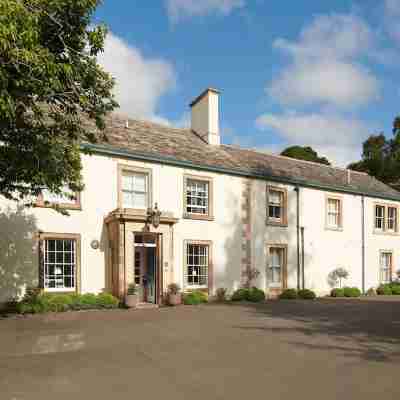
(288, 294)
(337, 292)
(39, 302)
(346, 292)
(389, 289)
(253, 294)
(352, 292)
(306, 294)
(195, 297)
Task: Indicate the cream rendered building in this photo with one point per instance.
(165, 205)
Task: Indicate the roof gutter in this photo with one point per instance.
(108, 151)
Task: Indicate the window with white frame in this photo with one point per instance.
(135, 192)
(276, 205)
(59, 264)
(197, 265)
(379, 217)
(392, 219)
(197, 196)
(276, 266)
(386, 258)
(334, 217)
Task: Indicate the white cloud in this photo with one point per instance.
(140, 81)
(181, 9)
(333, 136)
(326, 64)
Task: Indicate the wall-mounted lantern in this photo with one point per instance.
(154, 216)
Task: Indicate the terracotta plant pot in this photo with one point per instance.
(131, 300)
(175, 299)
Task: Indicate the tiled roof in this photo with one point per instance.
(182, 146)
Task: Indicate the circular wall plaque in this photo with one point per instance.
(95, 244)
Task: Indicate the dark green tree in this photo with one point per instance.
(304, 153)
(381, 157)
(51, 87)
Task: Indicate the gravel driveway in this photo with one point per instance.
(327, 349)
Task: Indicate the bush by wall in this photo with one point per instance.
(40, 302)
(337, 292)
(195, 297)
(306, 294)
(240, 295)
(395, 286)
(351, 292)
(253, 294)
(289, 294)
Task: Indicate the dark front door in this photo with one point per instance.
(146, 267)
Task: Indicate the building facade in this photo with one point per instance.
(164, 205)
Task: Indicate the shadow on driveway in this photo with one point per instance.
(366, 328)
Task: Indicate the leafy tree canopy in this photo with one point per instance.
(381, 157)
(304, 153)
(50, 83)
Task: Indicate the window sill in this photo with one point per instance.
(332, 228)
(189, 289)
(276, 223)
(385, 233)
(199, 217)
(60, 290)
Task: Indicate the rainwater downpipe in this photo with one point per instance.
(302, 258)
(297, 190)
(363, 243)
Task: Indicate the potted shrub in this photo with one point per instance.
(174, 295)
(131, 298)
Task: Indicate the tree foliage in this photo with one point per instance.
(381, 157)
(50, 86)
(304, 153)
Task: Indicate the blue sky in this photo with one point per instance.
(308, 72)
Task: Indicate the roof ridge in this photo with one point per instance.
(125, 117)
(295, 159)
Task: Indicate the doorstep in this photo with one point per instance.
(146, 306)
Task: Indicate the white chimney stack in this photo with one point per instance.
(205, 116)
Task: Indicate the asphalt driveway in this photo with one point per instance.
(327, 349)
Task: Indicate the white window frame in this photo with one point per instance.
(207, 246)
(385, 269)
(390, 219)
(282, 205)
(73, 264)
(282, 249)
(132, 171)
(337, 214)
(380, 218)
(196, 194)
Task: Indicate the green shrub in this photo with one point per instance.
(45, 302)
(384, 289)
(240, 294)
(288, 294)
(255, 295)
(351, 292)
(58, 302)
(395, 288)
(306, 294)
(337, 292)
(195, 297)
(107, 300)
